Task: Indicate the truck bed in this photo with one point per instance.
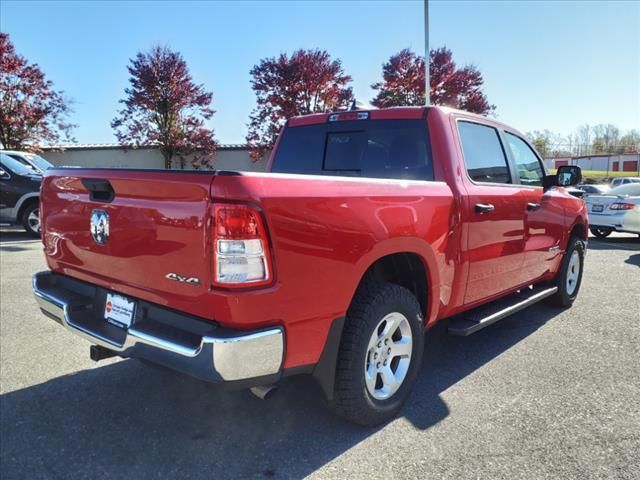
(324, 231)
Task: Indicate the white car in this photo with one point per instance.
(616, 211)
(616, 182)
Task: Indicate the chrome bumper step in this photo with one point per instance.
(197, 347)
(470, 322)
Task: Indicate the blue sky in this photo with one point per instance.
(547, 64)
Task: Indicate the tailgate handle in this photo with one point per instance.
(100, 190)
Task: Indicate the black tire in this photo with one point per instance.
(33, 230)
(568, 291)
(601, 232)
(373, 302)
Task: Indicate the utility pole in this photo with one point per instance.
(427, 86)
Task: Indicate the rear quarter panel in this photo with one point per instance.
(325, 233)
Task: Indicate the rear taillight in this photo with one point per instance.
(241, 255)
(621, 206)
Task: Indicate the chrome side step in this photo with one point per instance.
(470, 322)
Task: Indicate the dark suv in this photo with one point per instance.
(19, 195)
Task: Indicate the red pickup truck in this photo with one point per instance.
(368, 228)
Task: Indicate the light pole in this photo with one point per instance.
(427, 86)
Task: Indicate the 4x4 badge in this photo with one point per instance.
(181, 279)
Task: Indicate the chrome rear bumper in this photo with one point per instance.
(193, 346)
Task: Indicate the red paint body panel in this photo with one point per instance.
(324, 232)
(157, 226)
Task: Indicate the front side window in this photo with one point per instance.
(483, 153)
(529, 168)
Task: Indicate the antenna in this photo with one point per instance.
(427, 89)
(353, 105)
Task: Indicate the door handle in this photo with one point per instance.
(484, 208)
(533, 206)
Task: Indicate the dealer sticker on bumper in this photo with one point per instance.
(119, 310)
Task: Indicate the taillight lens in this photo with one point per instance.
(621, 206)
(241, 247)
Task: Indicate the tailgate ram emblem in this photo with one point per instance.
(99, 226)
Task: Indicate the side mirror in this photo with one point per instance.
(566, 176)
(3, 174)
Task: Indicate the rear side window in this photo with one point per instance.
(364, 148)
(18, 167)
(529, 168)
(483, 154)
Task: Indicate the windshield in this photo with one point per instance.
(594, 188)
(17, 167)
(39, 162)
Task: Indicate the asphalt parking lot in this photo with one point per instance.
(544, 394)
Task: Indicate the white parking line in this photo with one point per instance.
(19, 242)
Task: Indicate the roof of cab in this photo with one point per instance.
(374, 114)
(398, 113)
(390, 113)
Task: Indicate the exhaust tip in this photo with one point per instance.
(264, 392)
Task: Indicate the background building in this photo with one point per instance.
(228, 157)
(628, 162)
(236, 157)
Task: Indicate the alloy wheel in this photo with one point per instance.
(573, 272)
(33, 220)
(388, 356)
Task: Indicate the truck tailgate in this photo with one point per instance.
(158, 236)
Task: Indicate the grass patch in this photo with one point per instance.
(600, 176)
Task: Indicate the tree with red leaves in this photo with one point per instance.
(308, 81)
(164, 107)
(403, 82)
(31, 111)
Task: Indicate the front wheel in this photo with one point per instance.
(31, 220)
(569, 278)
(601, 232)
(380, 354)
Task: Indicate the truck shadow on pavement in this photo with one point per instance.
(633, 260)
(125, 419)
(12, 240)
(615, 243)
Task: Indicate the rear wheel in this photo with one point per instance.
(31, 220)
(569, 278)
(380, 354)
(601, 232)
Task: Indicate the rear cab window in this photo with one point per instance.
(484, 157)
(394, 149)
